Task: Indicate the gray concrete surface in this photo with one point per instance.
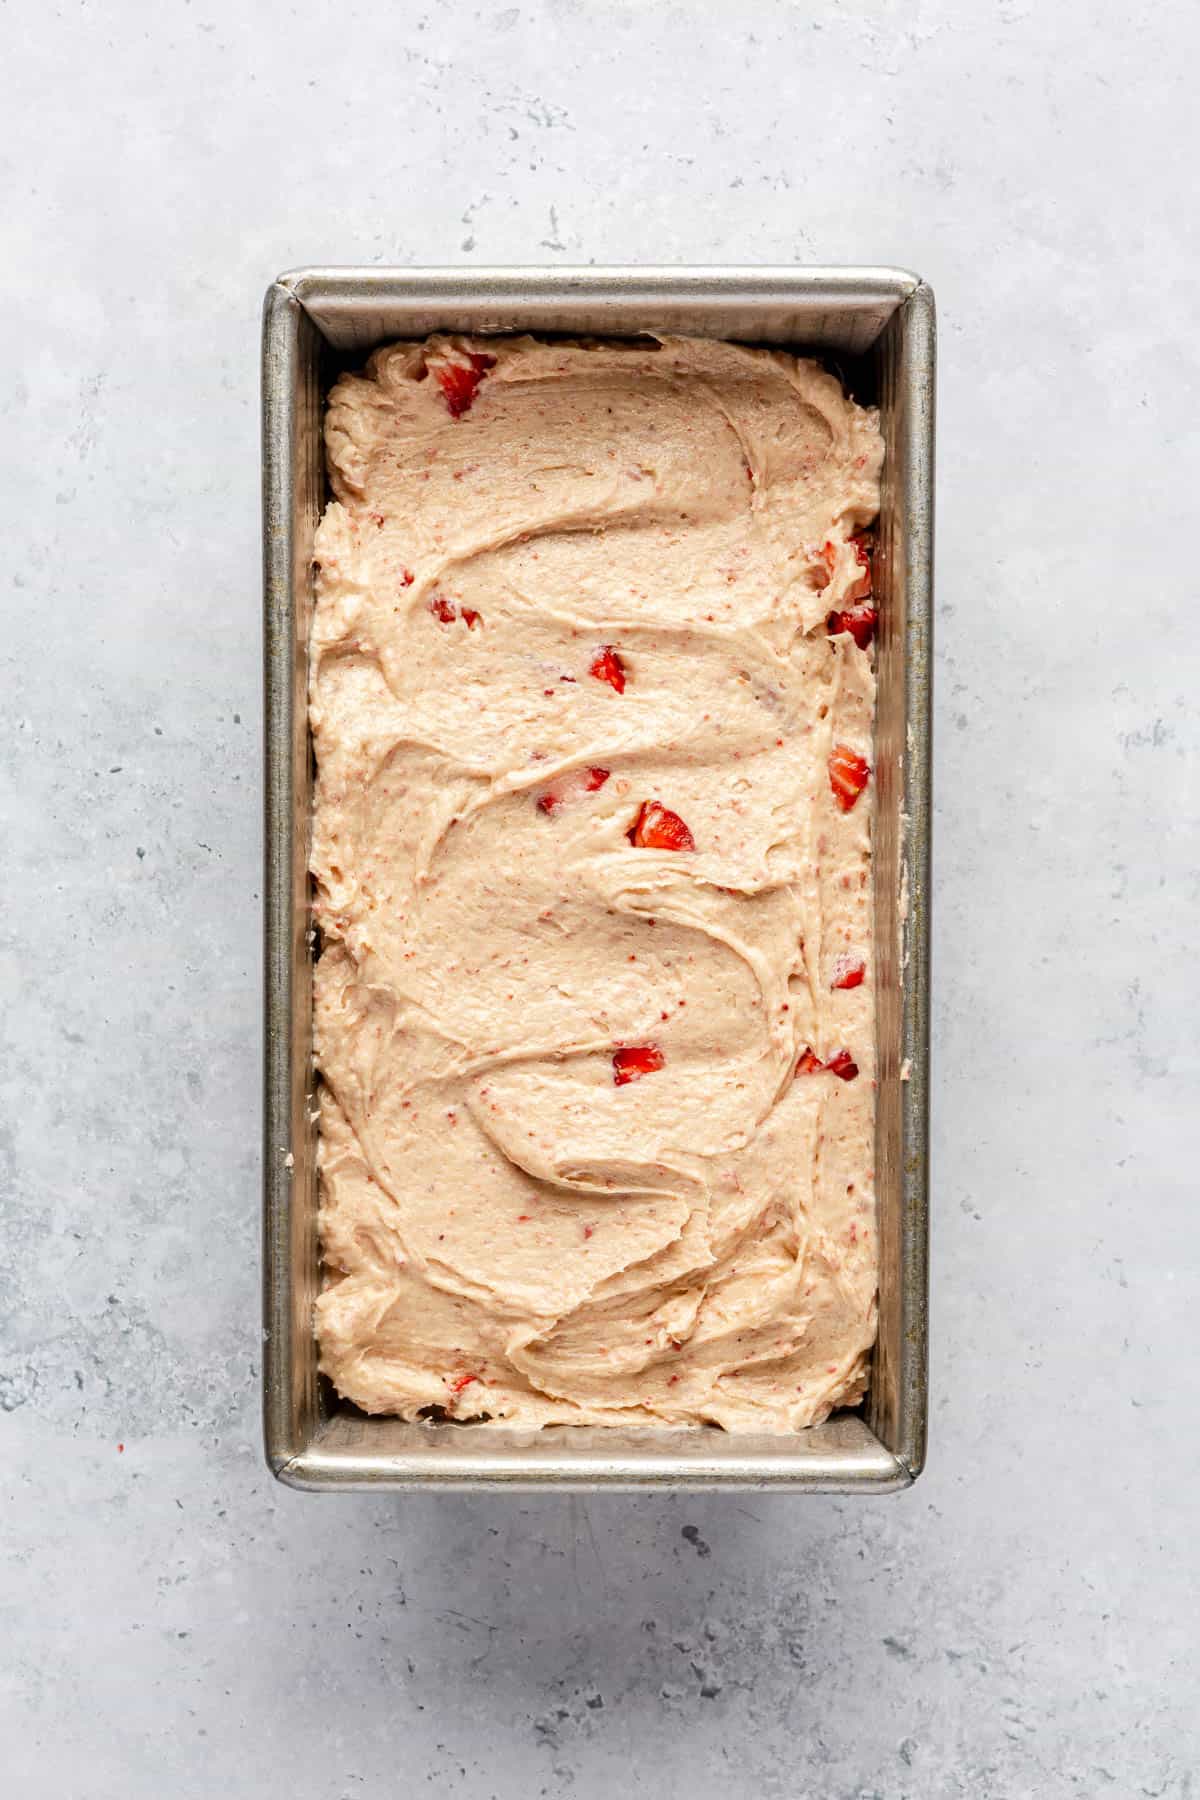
(1022, 1623)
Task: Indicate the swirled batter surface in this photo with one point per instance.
(591, 698)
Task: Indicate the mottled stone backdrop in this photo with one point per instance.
(1024, 1622)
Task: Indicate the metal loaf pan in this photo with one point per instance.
(878, 324)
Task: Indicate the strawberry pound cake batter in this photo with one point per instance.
(592, 699)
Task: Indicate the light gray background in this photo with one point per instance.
(1024, 1621)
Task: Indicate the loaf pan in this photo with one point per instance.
(876, 326)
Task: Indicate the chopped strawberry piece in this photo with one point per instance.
(459, 382)
(572, 787)
(848, 775)
(841, 1064)
(860, 587)
(862, 545)
(406, 578)
(631, 1063)
(658, 828)
(606, 665)
(447, 612)
(456, 1387)
(859, 621)
(847, 973)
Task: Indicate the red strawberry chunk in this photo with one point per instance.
(634, 1061)
(406, 578)
(841, 1064)
(658, 828)
(459, 382)
(847, 973)
(446, 611)
(456, 1387)
(606, 665)
(859, 621)
(861, 588)
(848, 775)
(572, 787)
